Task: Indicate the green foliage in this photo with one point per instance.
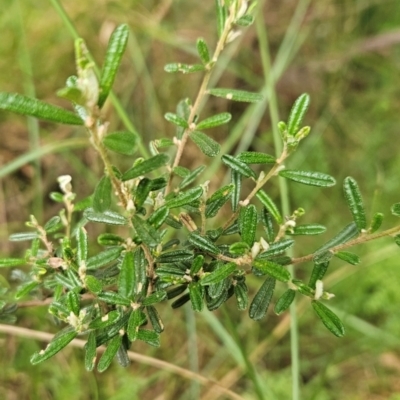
(176, 238)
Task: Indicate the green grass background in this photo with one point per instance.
(346, 55)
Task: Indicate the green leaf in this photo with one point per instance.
(273, 269)
(376, 223)
(150, 337)
(244, 21)
(197, 265)
(155, 319)
(297, 113)
(158, 217)
(329, 319)
(73, 302)
(102, 195)
(25, 289)
(217, 200)
(136, 319)
(207, 145)
(236, 179)
(183, 110)
(260, 303)
(241, 293)
(109, 354)
(184, 68)
(11, 262)
(104, 257)
(106, 217)
(307, 229)
(202, 243)
(121, 142)
(202, 50)
(308, 178)
(155, 298)
(115, 50)
(53, 224)
(269, 204)
(239, 248)
(22, 236)
(110, 239)
(191, 177)
(90, 352)
(218, 274)
(248, 224)
(236, 95)
(93, 284)
(196, 293)
(354, 200)
(113, 298)
(276, 248)
(24, 105)
(142, 191)
(146, 166)
(254, 157)
(126, 279)
(184, 198)
(397, 240)
(57, 344)
(284, 301)
(175, 256)
(215, 120)
(147, 233)
(222, 14)
(174, 119)
(238, 166)
(395, 209)
(347, 233)
(349, 257)
(318, 272)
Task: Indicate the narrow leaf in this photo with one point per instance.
(276, 248)
(191, 177)
(329, 319)
(347, 233)
(318, 272)
(202, 50)
(113, 298)
(307, 229)
(273, 269)
(354, 200)
(106, 217)
(221, 15)
(376, 223)
(155, 319)
(104, 257)
(184, 198)
(297, 113)
(260, 303)
(248, 224)
(22, 236)
(197, 265)
(236, 179)
(236, 95)
(238, 166)
(349, 257)
(395, 209)
(241, 294)
(136, 319)
(196, 293)
(175, 256)
(269, 204)
(57, 344)
(90, 352)
(217, 200)
(218, 274)
(174, 119)
(25, 289)
(184, 68)
(121, 142)
(155, 298)
(150, 337)
(93, 284)
(202, 243)
(126, 279)
(207, 145)
(53, 224)
(102, 195)
(254, 157)
(308, 177)
(11, 262)
(146, 166)
(20, 104)
(145, 231)
(82, 241)
(115, 50)
(158, 217)
(109, 354)
(215, 120)
(284, 301)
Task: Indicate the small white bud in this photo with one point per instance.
(264, 244)
(319, 289)
(64, 182)
(255, 249)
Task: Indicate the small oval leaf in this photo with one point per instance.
(269, 204)
(146, 166)
(184, 198)
(208, 146)
(102, 195)
(297, 113)
(121, 142)
(254, 157)
(236, 95)
(238, 166)
(354, 200)
(329, 319)
(308, 177)
(284, 301)
(215, 120)
(106, 217)
(259, 305)
(273, 269)
(218, 274)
